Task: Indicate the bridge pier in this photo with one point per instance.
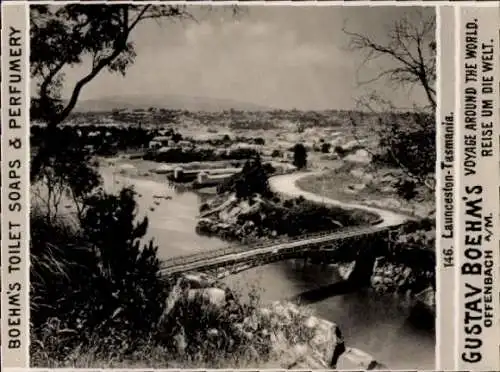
(362, 271)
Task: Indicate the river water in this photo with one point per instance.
(377, 325)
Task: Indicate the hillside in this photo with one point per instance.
(166, 101)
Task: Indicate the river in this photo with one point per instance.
(377, 325)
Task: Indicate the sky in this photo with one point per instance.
(274, 56)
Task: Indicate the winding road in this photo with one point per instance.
(287, 185)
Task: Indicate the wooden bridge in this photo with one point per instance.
(232, 260)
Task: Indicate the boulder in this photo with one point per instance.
(349, 190)
(354, 358)
(356, 172)
(360, 156)
(359, 186)
(197, 280)
(388, 189)
(214, 296)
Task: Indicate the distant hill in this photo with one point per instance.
(166, 101)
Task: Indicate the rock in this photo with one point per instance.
(356, 172)
(212, 332)
(180, 342)
(355, 358)
(214, 296)
(197, 280)
(359, 186)
(360, 156)
(311, 322)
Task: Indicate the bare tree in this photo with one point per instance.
(411, 48)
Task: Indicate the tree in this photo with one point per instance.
(260, 141)
(253, 179)
(68, 173)
(406, 189)
(99, 279)
(300, 156)
(62, 37)
(407, 140)
(411, 49)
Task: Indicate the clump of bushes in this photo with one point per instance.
(98, 298)
(94, 279)
(193, 154)
(253, 179)
(298, 216)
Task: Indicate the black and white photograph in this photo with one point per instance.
(232, 186)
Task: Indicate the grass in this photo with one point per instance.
(148, 356)
(72, 327)
(285, 324)
(333, 184)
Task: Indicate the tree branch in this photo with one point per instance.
(119, 47)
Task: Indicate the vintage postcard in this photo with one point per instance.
(250, 185)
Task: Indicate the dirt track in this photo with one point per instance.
(287, 185)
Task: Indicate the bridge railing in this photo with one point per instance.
(191, 258)
(202, 256)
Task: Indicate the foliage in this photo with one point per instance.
(409, 144)
(253, 179)
(62, 37)
(413, 245)
(276, 153)
(300, 156)
(291, 217)
(65, 36)
(187, 155)
(67, 172)
(95, 279)
(325, 147)
(250, 123)
(339, 150)
(411, 50)
(406, 189)
(298, 217)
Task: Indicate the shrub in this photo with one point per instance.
(325, 148)
(253, 179)
(94, 280)
(276, 154)
(299, 156)
(339, 151)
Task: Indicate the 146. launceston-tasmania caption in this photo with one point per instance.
(231, 186)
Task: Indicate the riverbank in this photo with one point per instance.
(393, 273)
(376, 324)
(234, 333)
(258, 218)
(249, 221)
